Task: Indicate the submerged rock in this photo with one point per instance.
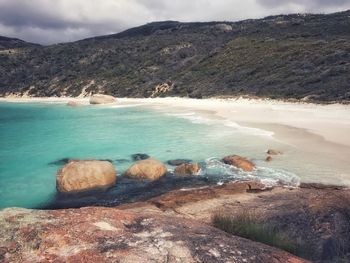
(239, 162)
(72, 104)
(102, 99)
(64, 161)
(187, 169)
(149, 169)
(85, 175)
(97, 234)
(273, 152)
(268, 159)
(139, 156)
(178, 162)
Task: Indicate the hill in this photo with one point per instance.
(301, 56)
(12, 43)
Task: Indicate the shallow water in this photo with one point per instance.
(34, 136)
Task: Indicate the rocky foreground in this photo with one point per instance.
(176, 227)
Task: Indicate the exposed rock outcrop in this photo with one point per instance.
(85, 175)
(97, 234)
(239, 162)
(161, 89)
(316, 217)
(187, 169)
(223, 27)
(102, 99)
(149, 169)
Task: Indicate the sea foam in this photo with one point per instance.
(235, 127)
(267, 176)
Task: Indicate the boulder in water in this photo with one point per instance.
(178, 162)
(187, 169)
(273, 152)
(139, 156)
(239, 162)
(268, 159)
(86, 175)
(102, 99)
(149, 169)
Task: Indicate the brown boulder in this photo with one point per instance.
(102, 99)
(274, 152)
(239, 162)
(150, 169)
(187, 169)
(268, 159)
(85, 175)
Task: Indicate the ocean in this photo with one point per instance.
(36, 137)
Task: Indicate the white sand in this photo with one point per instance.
(331, 122)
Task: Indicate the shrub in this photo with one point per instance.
(247, 225)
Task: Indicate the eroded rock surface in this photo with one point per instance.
(315, 216)
(85, 175)
(149, 169)
(110, 235)
(102, 99)
(187, 169)
(239, 162)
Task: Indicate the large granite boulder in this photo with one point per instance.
(187, 169)
(239, 162)
(102, 99)
(85, 175)
(149, 169)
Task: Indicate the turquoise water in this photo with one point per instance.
(35, 135)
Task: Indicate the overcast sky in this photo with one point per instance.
(53, 21)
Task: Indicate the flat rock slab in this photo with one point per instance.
(317, 216)
(96, 234)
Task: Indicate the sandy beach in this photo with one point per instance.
(319, 134)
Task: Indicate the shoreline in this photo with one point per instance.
(314, 135)
(310, 132)
(218, 107)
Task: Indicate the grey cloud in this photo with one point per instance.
(52, 21)
(311, 5)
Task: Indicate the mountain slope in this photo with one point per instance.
(11, 43)
(287, 56)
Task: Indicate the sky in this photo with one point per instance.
(55, 21)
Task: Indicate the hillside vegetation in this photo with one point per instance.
(286, 57)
